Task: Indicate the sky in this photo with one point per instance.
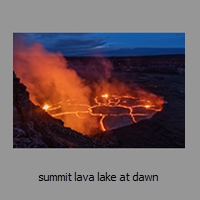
(109, 44)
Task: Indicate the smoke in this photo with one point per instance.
(96, 70)
(50, 79)
(47, 76)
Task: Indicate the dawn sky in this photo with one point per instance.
(106, 44)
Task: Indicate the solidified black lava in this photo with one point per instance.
(106, 110)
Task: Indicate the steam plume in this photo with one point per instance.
(47, 76)
(50, 80)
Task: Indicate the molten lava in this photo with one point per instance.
(46, 107)
(105, 95)
(147, 106)
(112, 111)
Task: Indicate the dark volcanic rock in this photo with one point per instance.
(146, 134)
(34, 128)
(173, 64)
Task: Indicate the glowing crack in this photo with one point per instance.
(114, 111)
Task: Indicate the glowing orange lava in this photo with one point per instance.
(112, 111)
(105, 95)
(46, 107)
(147, 106)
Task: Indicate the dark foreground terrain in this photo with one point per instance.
(164, 76)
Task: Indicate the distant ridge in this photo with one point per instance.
(131, 52)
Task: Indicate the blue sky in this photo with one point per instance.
(107, 44)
